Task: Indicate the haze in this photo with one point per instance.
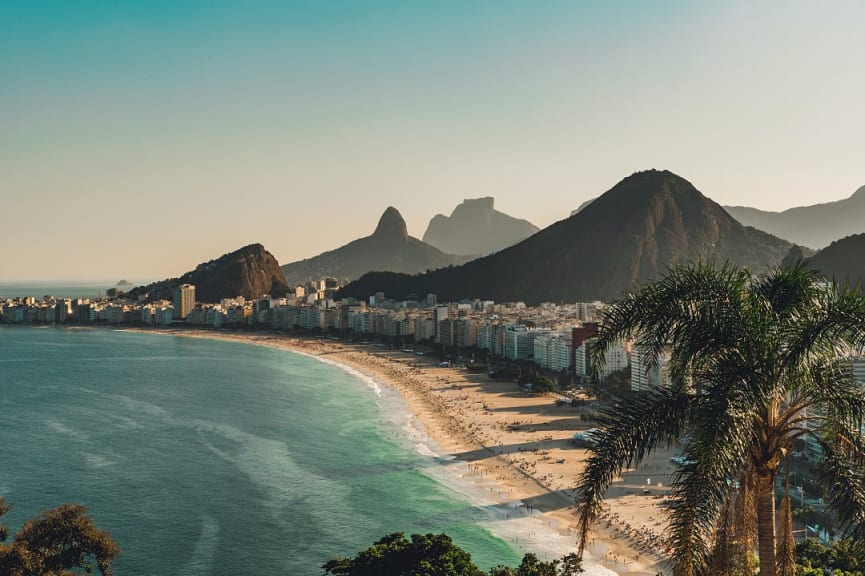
(139, 139)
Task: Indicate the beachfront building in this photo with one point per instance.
(520, 341)
(484, 338)
(616, 359)
(466, 333)
(440, 314)
(62, 310)
(328, 318)
(361, 323)
(14, 314)
(554, 350)
(309, 318)
(215, 316)
(197, 317)
(446, 329)
(284, 317)
(184, 300)
(424, 329)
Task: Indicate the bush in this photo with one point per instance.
(437, 555)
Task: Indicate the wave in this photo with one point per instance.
(508, 519)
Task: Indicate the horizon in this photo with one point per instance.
(142, 140)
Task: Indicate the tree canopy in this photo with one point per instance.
(755, 363)
(436, 555)
(56, 543)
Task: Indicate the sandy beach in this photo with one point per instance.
(518, 443)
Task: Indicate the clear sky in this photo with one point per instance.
(138, 139)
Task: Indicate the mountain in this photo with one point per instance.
(842, 260)
(476, 228)
(814, 226)
(388, 248)
(250, 272)
(581, 206)
(636, 230)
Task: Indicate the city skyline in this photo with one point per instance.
(140, 140)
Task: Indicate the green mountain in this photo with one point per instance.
(475, 227)
(250, 272)
(842, 260)
(813, 226)
(636, 230)
(388, 248)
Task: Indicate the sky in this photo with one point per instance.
(138, 139)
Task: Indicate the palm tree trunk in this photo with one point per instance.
(786, 545)
(766, 524)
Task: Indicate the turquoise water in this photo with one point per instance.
(208, 458)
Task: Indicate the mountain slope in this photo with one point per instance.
(475, 227)
(250, 272)
(388, 248)
(814, 226)
(842, 260)
(644, 224)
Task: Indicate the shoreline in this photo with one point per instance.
(514, 444)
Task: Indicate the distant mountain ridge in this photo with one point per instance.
(814, 226)
(389, 248)
(476, 228)
(636, 230)
(841, 261)
(250, 272)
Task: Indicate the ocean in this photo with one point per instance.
(57, 290)
(206, 457)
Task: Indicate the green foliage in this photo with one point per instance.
(843, 558)
(395, 555)
(544, 384)
(540, 382)
(56, 543)
(437, 555)
(616, 384)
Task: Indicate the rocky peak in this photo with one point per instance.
(476, 227)
(485, 204)
(250, 272)
(391, 225)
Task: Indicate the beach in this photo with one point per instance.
(513, 446)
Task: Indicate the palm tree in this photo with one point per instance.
(755, 363)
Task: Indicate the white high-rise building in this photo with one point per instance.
(615, 359)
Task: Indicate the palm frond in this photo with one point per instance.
(834, 326)
(683, 309)
(718, 451)
(844, 481)
(630, 429)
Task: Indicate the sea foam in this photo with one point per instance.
(506, 518)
